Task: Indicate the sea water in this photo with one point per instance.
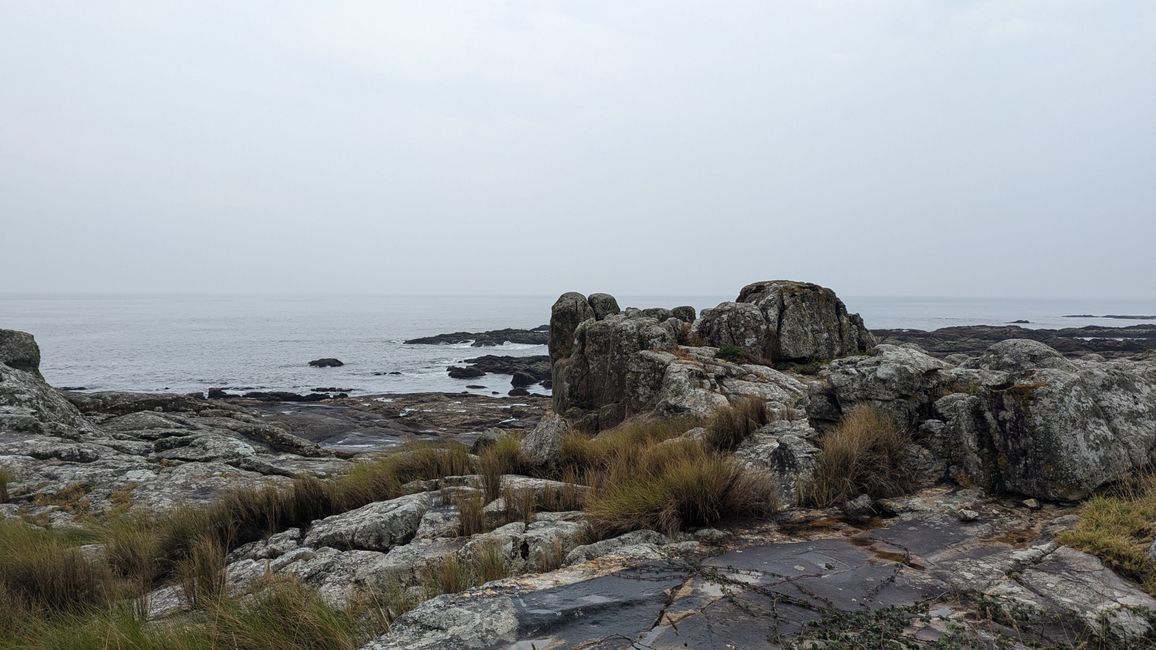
(191, 343)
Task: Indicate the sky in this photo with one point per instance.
(1003, 148)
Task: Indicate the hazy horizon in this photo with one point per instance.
(986, 150)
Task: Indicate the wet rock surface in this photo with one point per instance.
(805, 577)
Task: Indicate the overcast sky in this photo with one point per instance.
(1000, 148)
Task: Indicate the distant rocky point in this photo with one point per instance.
(537, 336)
(1071, 341)
(1116, 316)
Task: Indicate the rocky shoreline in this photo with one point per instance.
(1005, 432)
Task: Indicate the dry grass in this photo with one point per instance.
(502, 457)
(448, 575)
(521, 504)
(733, 424)
(1117, 527)
(674, 486)
(584, 454)
(865, 453)
(490, 564)
(471, 514)
(6, 477)
(202, 572)
(43, 571)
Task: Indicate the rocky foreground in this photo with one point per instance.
(1002, 444)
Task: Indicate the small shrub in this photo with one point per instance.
(864, 453)
(471, 513)
(733, 424)
(731, 352)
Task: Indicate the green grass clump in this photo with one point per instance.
(731, 352)
(1117, 528)
(733, 424)
(864, 453)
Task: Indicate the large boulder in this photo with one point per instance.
(567, 313)
(800, 322)
(603, 305)
(593, 384)
(19, 350)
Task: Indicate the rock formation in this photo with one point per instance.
(783, 321)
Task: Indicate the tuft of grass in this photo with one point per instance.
(43, 571)
(581, 453)
(1117, 528)
(471, 514)
(675, 486)
(864, 453)
(449, 575)
(202, 572)
(429, 461)
(521, 504)
(6, 477)
(491, 564)
(733, 424)
(502, 457)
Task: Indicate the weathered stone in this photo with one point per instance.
(375, 527)
(544, 443)
(567, 313)
(603, 305)
(614, 545)
(19, 350)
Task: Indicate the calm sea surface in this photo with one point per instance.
(190, 343)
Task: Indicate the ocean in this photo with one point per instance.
(191, 343)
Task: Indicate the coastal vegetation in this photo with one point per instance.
(863, 454)
(1117, 526)
(642, 474)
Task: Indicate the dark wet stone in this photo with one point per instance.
(328, 362)
(622, 605)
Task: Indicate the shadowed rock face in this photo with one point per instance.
(786, 322)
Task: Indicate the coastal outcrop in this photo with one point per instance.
(786, 322)
(535, 336)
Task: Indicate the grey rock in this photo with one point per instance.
(790, 322)
(542, 445)
(614, 545)
(568, 312)
(19, 350)
(684, 313)
(375, 527)
(603, 305)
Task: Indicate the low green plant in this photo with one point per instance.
(1116, 526)
(731, 352)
